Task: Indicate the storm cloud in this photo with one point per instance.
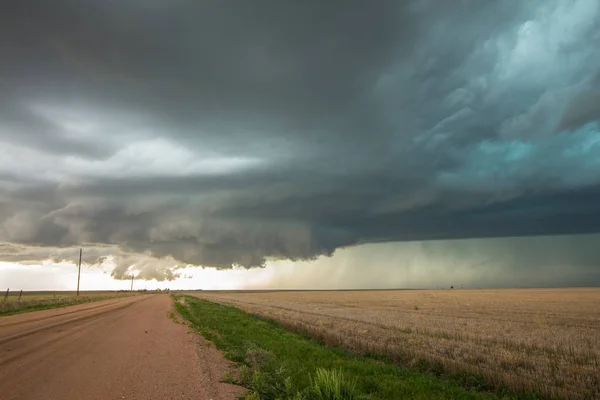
(220, 134)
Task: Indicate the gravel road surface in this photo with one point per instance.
(124, 348)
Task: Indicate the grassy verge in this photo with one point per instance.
(13, 307)
(280, 364)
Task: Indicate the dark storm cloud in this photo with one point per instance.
(228, 133)
(582, 109)
(25, 128)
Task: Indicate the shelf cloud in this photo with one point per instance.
(220, 134)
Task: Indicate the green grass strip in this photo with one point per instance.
(280, 364)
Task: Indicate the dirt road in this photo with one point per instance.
(125, 348)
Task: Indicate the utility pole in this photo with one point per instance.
(131, 290)
(79, 271)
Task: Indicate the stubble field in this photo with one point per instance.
(542, 340)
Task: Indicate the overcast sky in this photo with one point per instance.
(162, 135)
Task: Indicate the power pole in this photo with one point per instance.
(79, 271)
(131, 290)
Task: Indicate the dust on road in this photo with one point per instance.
(116, 349)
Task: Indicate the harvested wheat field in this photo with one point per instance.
(543, 340)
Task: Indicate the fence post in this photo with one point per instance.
(20, 294)
(6, 295)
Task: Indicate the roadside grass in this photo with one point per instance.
(279, 364)
(46, 302)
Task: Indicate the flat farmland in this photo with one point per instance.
(16, 303)
(542, 340)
